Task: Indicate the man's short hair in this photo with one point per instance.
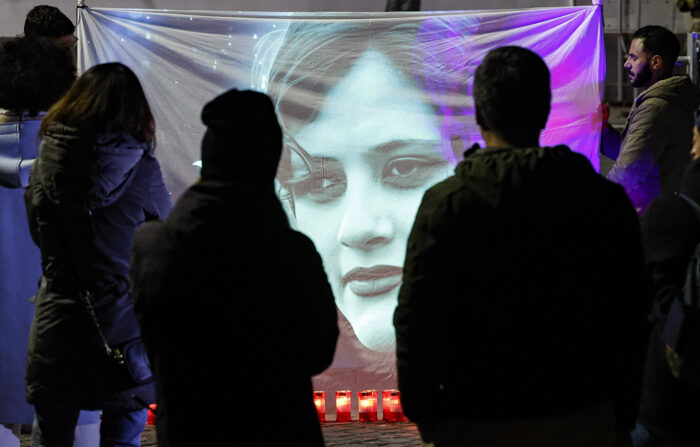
(47, 21)
(659, 40)
(512, 94)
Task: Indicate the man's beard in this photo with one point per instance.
(642, 77)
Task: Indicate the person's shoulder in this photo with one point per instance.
(152, 238)
(149, 164)
(436, 198)
(298, 240)
(669, 208)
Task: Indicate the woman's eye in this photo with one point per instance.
(410, 172)
(319, 187)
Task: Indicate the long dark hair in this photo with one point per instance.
(106, 100)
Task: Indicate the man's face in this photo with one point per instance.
(638, 66)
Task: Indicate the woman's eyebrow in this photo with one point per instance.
(394, 145)
(309, 160)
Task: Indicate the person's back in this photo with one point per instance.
(32, 77)
(670, 407)
(520, 322)
(95, 180)
(236, 310)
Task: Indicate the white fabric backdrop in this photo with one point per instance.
(376, 108)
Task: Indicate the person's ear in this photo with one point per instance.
(657, 63)
(480, 119)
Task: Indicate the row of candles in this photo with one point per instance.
(391, 405)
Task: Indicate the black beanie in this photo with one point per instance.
(243, 141)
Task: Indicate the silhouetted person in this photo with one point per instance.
(520, 321)
(235, 306)
(32, 77)
(670, 407)
(654, 146)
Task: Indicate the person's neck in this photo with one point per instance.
(654, 80)
(492, 139)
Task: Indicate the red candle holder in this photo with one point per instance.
(151, 418)
(343, 402)
(368, 405)
(391, 406)
(320, 403)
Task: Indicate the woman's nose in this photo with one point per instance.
(366, 224)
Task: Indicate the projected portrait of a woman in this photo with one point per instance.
(373, 116)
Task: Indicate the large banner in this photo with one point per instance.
(375, 108)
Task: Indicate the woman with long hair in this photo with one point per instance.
(94, 182)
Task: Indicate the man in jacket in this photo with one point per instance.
(236, 310)
(520, 321)
(654, 150)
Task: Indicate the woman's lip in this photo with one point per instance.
(372, 281)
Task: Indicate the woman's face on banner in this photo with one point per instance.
(374, 150)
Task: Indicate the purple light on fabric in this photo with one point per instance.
(442, 63)
(448, 49)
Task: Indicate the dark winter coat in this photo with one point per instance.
(235, 306)
(516, 301)
(237, 314)
(84, 201)
(670, 231)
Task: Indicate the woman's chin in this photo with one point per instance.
(377, 339)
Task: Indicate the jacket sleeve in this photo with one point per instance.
(160, 203)
(152, 282)
(417, 318)
(641, 146)
(318, 325)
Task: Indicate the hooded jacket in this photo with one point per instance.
(656, 141)
(85, 198)
(515, 303)
(235, 307)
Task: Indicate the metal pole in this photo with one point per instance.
(692, 46)
(621, 50)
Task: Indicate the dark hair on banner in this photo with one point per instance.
(661, 41)
(512, 94)
(33, 75)
(108, 99)
(435, 54)
(47, 21)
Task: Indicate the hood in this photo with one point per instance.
(92, 171)
(676, 89)
(493, 173)
(243, 141)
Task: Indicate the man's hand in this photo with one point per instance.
(609, 138)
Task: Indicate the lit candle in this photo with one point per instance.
(320, 403)
(343, 405)
(368, 405)
(391, 406)
(151, 417)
